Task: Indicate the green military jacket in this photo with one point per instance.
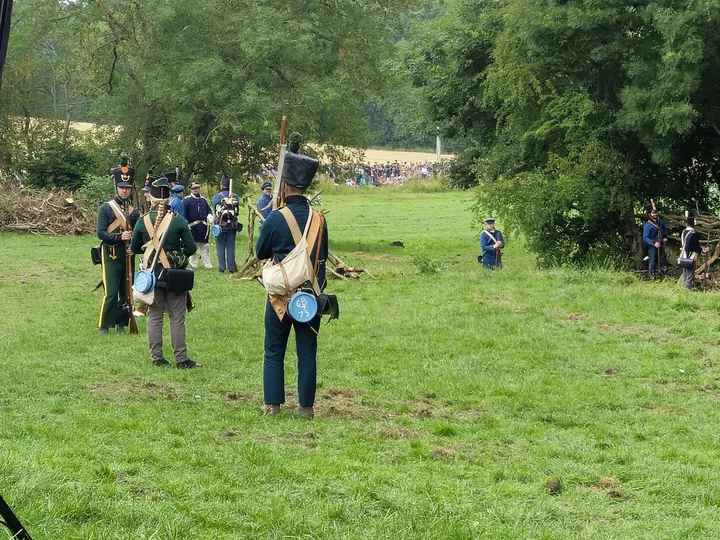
(179, 243)
(106, 217)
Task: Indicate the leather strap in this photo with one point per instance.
(313, 235)
(121, 220)
(490, 235)
(157, 238)
(293, 224)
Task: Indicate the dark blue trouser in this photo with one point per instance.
(225, 243)
(653, 253)
(276, 337)
(489, 260)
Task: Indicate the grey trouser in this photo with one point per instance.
(688, 277)
(175, 303)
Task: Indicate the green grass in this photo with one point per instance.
(453, 403)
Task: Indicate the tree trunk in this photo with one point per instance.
(632, 237)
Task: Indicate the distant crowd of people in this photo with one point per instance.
(382, 174)
(373, 174)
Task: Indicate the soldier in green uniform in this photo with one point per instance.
(116, 219)
(176, 250)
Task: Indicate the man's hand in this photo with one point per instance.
(126, 235)
(498, 245)
(210, 219)
(705, 251)
(657, 244)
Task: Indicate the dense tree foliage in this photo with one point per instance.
(578, 111)
(203, 84)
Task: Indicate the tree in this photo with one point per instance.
(205, 84)
(578, 111)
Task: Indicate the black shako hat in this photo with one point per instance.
(224, 181)
(299, 170)
(159, 187)
(689, 219)
(172, 176)
(123, 176)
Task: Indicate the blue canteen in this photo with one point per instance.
(144, 281)
(215, 230)
(302, 306)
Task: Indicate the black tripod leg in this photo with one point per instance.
(12, 522)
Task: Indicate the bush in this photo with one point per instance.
(424, 263)
(96, 190)
(462, 171)
(58, 164)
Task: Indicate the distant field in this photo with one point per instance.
(371, 154)
(381, 156)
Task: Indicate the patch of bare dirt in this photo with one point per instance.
(149, 389)
(578, 316)
(555, 486)
(423, 411)
(617, 494)
(661, 410)
(331, 393)
(401, 433)
(241, 396)
(659, 335)
(32, 274)
(442, 453)
(470, 413)
(607, 482)
(385, 257)
(610, 486)
(344, 403)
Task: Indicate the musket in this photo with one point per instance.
(11, 521)
(129, 280)
(281, 164)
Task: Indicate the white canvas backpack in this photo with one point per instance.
(285, 277)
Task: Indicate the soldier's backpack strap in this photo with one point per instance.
(120, 217)
(156, 239)
(292, 224)
(311, 233)
(490, 235)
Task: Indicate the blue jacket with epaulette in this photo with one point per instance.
(276, 240)
(651, 233)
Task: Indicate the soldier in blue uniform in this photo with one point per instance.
(264, 203)
(200, 219)
(653, 239)
(226, 217)
(176, 200)
(116, 219)
(276, 241)
(491, 244)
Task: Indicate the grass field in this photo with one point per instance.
(452, 404)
